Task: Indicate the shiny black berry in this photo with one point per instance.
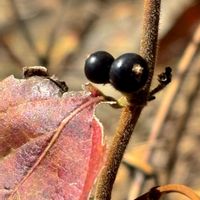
(129, 73)
(97, 67)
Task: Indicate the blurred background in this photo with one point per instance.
(59, 34)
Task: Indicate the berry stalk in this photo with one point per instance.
(130, 114)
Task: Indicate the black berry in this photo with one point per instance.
(97, 67)
(129, 73)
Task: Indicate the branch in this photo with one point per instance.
(130, 114)
(148, 47)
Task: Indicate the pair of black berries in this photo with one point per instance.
(128, 73)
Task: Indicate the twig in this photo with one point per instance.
(54, 31)
(173, 89)
(156, 192)
(67, 59)
(148, 47)
(183, 123)
(82, 33)
(25, 31)
(130, 114)
(11, 53)
(182, 189)
(127, 122)
(166, 105)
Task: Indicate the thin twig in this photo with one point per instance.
(67, 59)
(54, 32)
(165, 107)
(25, 30)
(82, 33)
(183, 67)
(182, 189)
(130, 114)
(156, 192)
(183, 123)
(11, 53)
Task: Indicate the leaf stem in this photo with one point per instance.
(130, 114)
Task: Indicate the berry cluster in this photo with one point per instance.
(128, 73)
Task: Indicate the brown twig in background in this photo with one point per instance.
(165, 107)
(25, 30)
(82, 33)
(54, 31)
(173, 89)
(156, 192)
(183, 123)
(11, 53)
(130, 114)
(182, 189)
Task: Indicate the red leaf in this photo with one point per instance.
(50, 143)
